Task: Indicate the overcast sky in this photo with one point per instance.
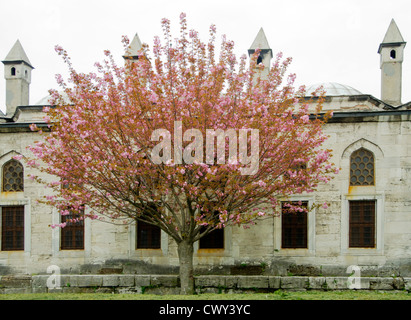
(329, 40)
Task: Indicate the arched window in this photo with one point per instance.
(13, 176)
(362, 168)
(392, 54)
(13, 71)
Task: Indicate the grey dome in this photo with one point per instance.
(334, 89)
(46, 100)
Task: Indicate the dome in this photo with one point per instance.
(333, 89)
(46, 100)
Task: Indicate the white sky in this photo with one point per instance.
(329, 40)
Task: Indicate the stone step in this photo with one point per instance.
(129, 283)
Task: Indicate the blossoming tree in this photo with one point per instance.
(130, 144)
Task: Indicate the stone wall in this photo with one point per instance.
(169, 284)
(109, 246)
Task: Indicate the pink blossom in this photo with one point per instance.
(305, 118)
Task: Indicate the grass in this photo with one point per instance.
(278, 295)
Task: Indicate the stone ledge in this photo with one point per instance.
(15, 281)
(160, 284)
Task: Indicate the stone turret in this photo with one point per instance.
(391, 52)
(266, 54)
(17, 72)
(134, 49)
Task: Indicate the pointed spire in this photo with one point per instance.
(260, 41)
(134, 48)
(266, 54)
(392, 36)
(17, 54)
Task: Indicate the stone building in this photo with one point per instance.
(368, 222)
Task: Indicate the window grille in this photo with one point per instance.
(213, 240)
(12, 232)
(72, 235)
(13, 176)
(362, 168)
(294, 226)
(148, 236)
(362, 224)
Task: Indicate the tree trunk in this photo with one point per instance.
(185, 255)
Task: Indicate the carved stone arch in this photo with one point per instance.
(363, 143)
(8, 156)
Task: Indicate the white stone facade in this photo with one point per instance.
(360, 121)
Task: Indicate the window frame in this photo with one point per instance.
(379, 225)
(213, 240)
(72, 228)
(20, 187)
(364, 183)
(14, 229)
(370, 192)
(311, 232)
(293, 236)
(153, 233)
(361, 224)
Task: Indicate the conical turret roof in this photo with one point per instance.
(260, 41)
(392, 36)
(17, 54)
(134, 48)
